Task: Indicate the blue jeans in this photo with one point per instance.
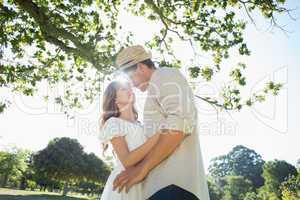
(173, 192)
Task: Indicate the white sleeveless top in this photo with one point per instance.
(134, 136)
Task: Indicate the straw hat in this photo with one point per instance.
(130, 56)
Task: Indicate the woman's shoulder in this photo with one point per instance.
(113, 127)
(111, 122)
(120, 124)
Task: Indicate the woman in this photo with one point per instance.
(120, 128)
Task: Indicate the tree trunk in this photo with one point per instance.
(66, 189)
(51, 188)
(23, 183)
(5, 179)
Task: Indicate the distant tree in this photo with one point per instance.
(64, 160)
(251, 196)
(31, 185)
(240, 161)
(89, 188)
(298, 164)
(61, 160)
(43, 182)
(264, 194)
(215, 191)
(289, 195)
(94, 169)
(236, 188)
(290, 189)
(275, 173)
(27, 175)
(12, 165)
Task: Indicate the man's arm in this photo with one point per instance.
(130, 158)
(167, 143)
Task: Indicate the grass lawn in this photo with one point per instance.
(10, 194)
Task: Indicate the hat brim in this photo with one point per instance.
(146, 56)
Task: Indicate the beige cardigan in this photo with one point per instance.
(170, 105)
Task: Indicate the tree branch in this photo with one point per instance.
(52, 33)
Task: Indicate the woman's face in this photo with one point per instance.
(125, 94)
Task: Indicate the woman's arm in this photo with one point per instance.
(131, 158)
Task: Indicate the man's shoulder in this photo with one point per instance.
(167, 70)
(168, 74)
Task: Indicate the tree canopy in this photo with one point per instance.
(240, 161)
(75, 42)
(12, 165)
(242, 174)
(277, 172)
(64, 160)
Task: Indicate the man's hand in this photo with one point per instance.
(165, 147)
(130, 177)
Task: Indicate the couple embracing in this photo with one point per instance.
(160, 158)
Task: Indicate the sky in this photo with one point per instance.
(272, 128)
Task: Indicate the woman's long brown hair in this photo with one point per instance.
(109, 106)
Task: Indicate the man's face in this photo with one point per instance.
(139, 77)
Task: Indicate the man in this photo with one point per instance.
(174, 167)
